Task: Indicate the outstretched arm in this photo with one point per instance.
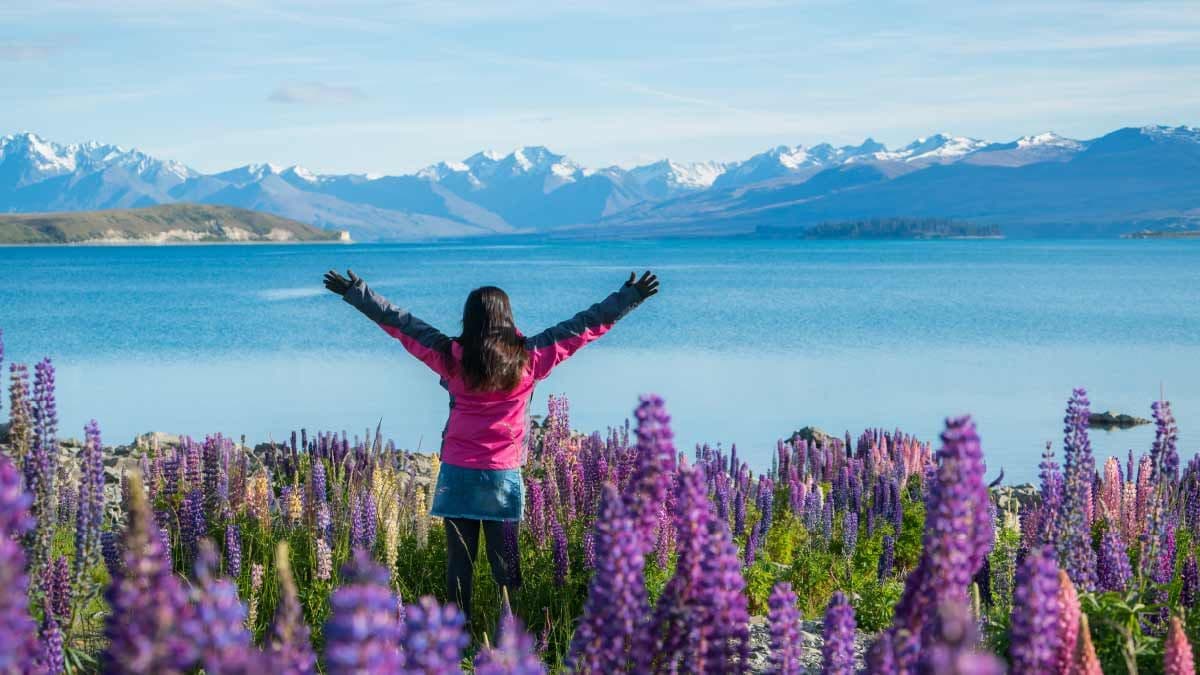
(421, 340)
(557, 343)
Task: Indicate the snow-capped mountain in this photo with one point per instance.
(665, 179)
(532, 189)
(797, 162)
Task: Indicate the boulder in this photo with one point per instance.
(812, 435)
(151, 438)
(1110, 420)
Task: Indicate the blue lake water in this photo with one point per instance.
(747, 340)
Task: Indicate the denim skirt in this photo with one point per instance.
(478, 494)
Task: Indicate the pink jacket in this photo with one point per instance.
(487, 430)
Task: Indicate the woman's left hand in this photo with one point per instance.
(336, 283)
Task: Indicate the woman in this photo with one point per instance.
(489, 371)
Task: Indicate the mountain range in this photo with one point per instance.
(1041, 185)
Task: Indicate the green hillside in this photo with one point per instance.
(166, 224)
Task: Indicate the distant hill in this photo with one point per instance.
(1040, 185)
(172, 223)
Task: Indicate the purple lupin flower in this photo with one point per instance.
(219, 632)
(849, 533)
(838, 650)
(1189, 592)
(111, 552)
(784, 620)
(952, 647)
(958, 535)
(363, 522)
(192, 524)
(363, 632)
(680, 611)
(1051, 499)
(647, 491)
(751, 547)
(739, 512)
(41, 465)
(19, 412)
(1075, 547)
(50, 652)
(233, 551)
(616, 606)
(1112, 568)
(887, 558)
(289, 649)
(150, 620)
(537, 511)
(89, 513)
(725, 632)
(513, 653)
(1034, 630)
(433, 638)
(17, 629)
(56, 587)
(1163, 453)
(561, 561)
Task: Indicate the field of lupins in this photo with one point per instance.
(317, 555)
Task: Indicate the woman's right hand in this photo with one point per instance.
(646, 286)
(336, 283)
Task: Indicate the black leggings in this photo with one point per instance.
(462, 545)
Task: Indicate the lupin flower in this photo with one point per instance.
(1190, 590)
(784, 620)
(951, 649)
(647, 492)
(324, 560)
(958, 535)
(724, 629)
(887, 558)
(1163, 454)
(363, 526)
(50, 652)
(20, 428)
(110, 551)
(561, 561)
(256, 584)
(1177, 652)
(56, 587)
(1068, 624)
(1086, 661)
(89, 513)
(289, 649)
(433, 638)
(150, 618)
(363, 633)
(219, 632)
(1112, 569)
(1075, 547)
(192, 524)
(1035, 639)
(41, 465)
(849, 533)
(17, 628)
(233, 551)
(838, 650)
(615, 608)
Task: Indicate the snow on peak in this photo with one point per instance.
(1048, 139)
(301, 173)
(939, 147)
(678, 175)
(1181, 132)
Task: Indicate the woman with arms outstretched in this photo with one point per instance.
(489, 371)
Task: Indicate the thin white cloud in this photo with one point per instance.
(315, 93)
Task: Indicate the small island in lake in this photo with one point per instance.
(164, 224)
(886, 229)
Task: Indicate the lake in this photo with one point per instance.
(747, 341)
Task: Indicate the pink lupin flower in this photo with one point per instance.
(1085, 662)
(1068, 623)
(1177, 653)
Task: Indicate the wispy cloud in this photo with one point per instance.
(315, 93)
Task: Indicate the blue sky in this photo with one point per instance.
(389, 87)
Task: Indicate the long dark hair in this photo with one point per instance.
(493, 353)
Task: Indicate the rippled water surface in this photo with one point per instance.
(747, 341)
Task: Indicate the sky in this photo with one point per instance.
(386, 86)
